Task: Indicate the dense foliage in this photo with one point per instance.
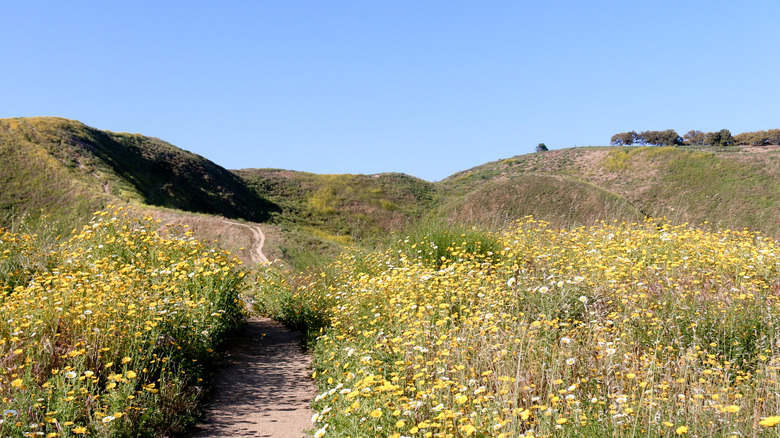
(758, 138)
(108, 332)
(639, 329)
(668, 137)
(694, 137)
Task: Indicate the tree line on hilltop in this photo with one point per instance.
(670, 137)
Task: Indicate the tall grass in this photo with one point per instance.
(642, 329)
(108, 333)
(433, 242)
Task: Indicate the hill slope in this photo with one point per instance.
(54, 162)
(732, 187)
(35, 183)
(344, 205)
(561, 200)
(63, 168)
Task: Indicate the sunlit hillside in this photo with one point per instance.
(730, 187)
(344, 206)
(642, 329)
(61, 168)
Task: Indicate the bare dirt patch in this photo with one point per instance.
(264, 388)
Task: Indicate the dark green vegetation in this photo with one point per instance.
(759, 138)
(667, 137)
(57, 169)
(696, 138)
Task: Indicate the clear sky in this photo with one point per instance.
(422, 87)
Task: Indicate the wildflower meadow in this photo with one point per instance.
(107, 333)
(642, 329)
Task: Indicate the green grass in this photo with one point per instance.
(435, 242)
(64, 168)
(730, 187)
(561, 200)
(339, 209)
(696, 186)
(37, 188)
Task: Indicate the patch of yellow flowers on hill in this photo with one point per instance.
(101, 331)
(614, 330)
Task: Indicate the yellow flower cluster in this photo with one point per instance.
(614, 330)
(99, 330)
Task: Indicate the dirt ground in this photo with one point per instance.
(264, 389)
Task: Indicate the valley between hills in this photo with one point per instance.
(593, 291)
(62, 170)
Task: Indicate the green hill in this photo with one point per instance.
(561, 200)
(732, 187)
(344, 205)
(61, 167)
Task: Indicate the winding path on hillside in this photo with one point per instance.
(264, 387)
(258, 241)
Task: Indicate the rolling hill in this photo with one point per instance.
(733, 187)
(61, 167)
(344, 205)
(56, 168)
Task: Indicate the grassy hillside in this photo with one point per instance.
(343, 207)
(59, 171)
(63, 169)
(561, 200)
(57, 162)
(322, 213)
(732, 187)
(37, 185)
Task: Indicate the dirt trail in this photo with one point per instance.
(263, 388)
(258, 240)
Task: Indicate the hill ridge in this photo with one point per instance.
(67, 163)
(133, 167)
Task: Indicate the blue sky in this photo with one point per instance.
(426, 88)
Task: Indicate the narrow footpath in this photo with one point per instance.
(258, 240)
(264, 388)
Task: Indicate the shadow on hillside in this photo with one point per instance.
(167, 176)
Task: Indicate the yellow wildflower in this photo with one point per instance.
(770, 421)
